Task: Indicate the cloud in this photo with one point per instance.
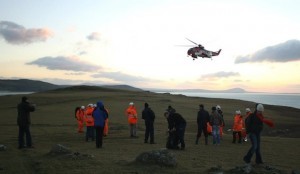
(94, 36)
(221, 74)
(284, 52)
(65, 63)
(17, 34)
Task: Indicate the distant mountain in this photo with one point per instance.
(232, 90)
(122, 87)
(25, 85)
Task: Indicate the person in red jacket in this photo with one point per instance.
(237, 126)
(80, 118)
(131, 114)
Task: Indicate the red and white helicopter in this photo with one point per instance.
(199, 51)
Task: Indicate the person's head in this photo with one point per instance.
(248, 110)
(146, 105)
(218, 107)
(82, 107)
(131, 104)
(201, 106)
(24, 99)
(213, 109)
(238, 112)
(260, 108)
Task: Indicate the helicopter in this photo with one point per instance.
(199, 51)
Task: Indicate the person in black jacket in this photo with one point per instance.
(24, 109)
(148, 115)
(254, 126)
(177, 124)
(202, 120)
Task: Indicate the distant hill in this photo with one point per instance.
(232, 90)
(122, 87)
(25, 85)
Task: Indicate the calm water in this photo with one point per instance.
(292, 100)
(2, 93)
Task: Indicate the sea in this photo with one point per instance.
(2, 93)
(291, 100)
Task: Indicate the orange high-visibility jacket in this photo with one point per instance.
(89, 120)
(80, 115)
(131, 115)
(238, 123)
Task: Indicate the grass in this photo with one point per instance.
(53, 123)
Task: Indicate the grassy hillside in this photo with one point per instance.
(24, 85)
(53, 123)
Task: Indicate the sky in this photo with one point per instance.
(143, 43)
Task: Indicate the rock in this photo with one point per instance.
(78, 156)
(2, 147)
(59, 149)
(160, 157)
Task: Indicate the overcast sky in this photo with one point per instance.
(141, 43)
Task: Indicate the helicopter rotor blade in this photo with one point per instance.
(192, 41)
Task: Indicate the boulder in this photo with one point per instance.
(59, 149)
(2, 147)
(160, 157)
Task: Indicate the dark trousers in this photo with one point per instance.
(149, 131)
(234, 136)
(180, 130)
(99, 136)
(89, 133)
(24, 129)
(255, 148)
(201, 129)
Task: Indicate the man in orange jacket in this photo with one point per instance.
(237, 126)
(131, 114)
(89, 122)
(80, 118)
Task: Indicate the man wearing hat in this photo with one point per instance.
(131, 114)
(254, 127)
(24, 109)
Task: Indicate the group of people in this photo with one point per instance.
(96, 117)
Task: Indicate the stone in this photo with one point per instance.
(160, 157)
(2, 147)
(59, 149)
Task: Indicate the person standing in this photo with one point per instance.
(131, 114)
(218, 107)
(89, 122)
(24, 109)
(99, 115)
(237, 126)
(216, 120)
(254, 127)
(177, 124)
(80, 118)
(244, 132)
(202, 120)
(148, 115)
